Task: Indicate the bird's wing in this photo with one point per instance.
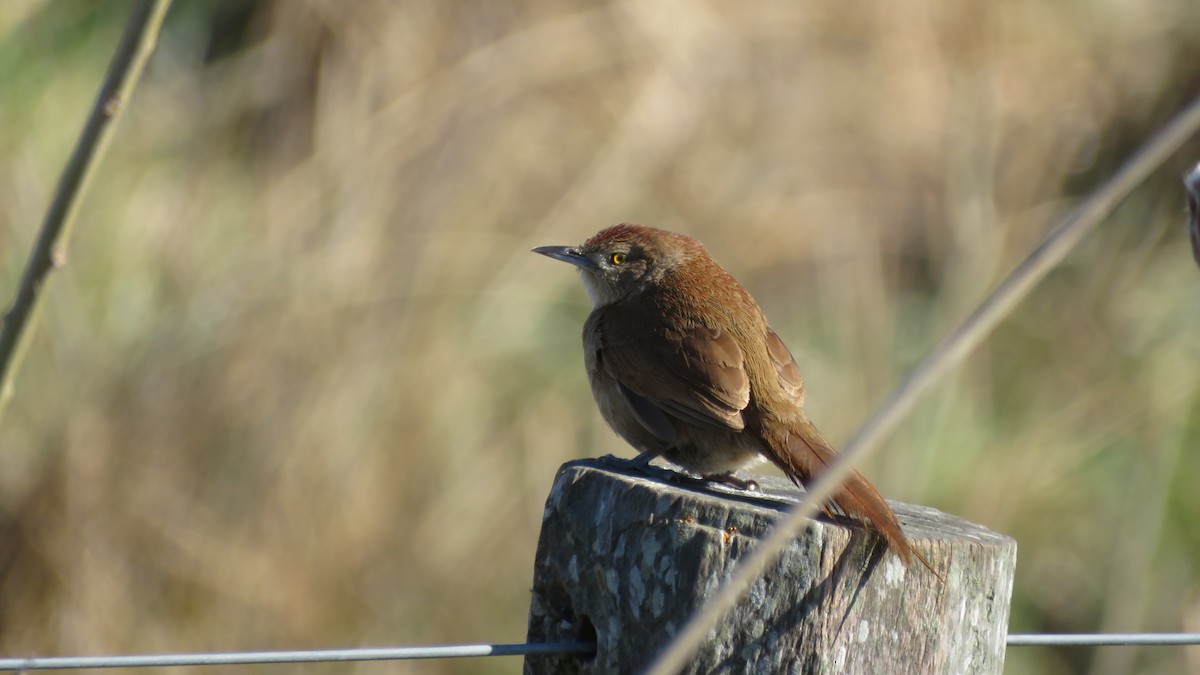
(694, 373)
(786, 369)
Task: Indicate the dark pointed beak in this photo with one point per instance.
(568, 254)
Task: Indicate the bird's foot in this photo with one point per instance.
(640, 464)
(635, 464)
(733, 481)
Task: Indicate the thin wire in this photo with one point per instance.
(947, 354)
(478, 650)
(1101, 639)
(1192, 183)
(311, 656)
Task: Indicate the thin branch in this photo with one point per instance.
(134, 49)
(945, 356)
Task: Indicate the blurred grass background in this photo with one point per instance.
(302, 385)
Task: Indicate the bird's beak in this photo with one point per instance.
(568, 254)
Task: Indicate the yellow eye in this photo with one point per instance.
(617, 258)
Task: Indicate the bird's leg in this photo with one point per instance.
(642, 461)
(641, 465)
(733, 481)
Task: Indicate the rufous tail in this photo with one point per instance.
(805, 454)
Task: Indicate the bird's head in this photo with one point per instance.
(622, 261)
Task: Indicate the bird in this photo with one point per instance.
(683, 365)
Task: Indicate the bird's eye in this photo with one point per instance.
(617, 258)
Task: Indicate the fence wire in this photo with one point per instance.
(476, 650)
(308, 656)
(1101, 639)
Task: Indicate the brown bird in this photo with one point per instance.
(683, 365)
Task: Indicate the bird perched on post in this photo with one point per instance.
(683, 365)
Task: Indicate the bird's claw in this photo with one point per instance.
(733, 481)
(640, 465)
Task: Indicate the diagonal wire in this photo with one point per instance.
(1192, 183)
(133, 50)
(945, 356)
(307, 656)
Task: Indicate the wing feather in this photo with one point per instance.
(786, 369)
(695, 373)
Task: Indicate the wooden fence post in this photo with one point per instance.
(625, 559)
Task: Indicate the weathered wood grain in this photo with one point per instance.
(626, 558)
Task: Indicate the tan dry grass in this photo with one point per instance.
(302, 385)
